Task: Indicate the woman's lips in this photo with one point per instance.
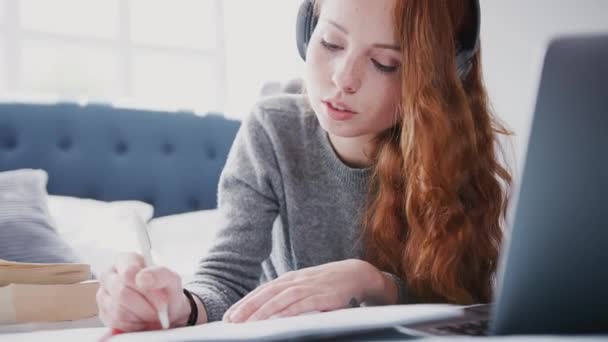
(337, 114)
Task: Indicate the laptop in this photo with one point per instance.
(553, 269)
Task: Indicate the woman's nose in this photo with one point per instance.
(346, 76)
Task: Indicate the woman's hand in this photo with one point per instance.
(326, 287)
(130, 294)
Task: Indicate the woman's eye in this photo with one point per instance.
(385, 68)
(388, 69)
(329, 46)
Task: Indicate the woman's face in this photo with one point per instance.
(353, 61)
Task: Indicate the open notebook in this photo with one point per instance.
(317, 325)
(325, 324)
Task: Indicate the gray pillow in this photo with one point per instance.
(26, 231)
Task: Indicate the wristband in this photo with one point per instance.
(193, 309)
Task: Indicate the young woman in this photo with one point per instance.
(379, 185)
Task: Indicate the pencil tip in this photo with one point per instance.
(163, 317)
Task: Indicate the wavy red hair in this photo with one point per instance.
(438, 192)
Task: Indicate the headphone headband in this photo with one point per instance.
(467, 44)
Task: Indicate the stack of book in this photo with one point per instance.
(32, 292)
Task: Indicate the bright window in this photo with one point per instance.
(71, 70)
(2, 5)
(175, 80)
(181, 23)
(260, 47)
(2, 65)
(202, 55)
(72, 17)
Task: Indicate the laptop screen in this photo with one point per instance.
(553, 277)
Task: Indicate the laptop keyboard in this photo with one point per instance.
(472, 328)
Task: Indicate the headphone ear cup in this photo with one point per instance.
(305, 25)
(468, 43)
(464, 62)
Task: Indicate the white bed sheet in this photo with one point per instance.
(180, 241)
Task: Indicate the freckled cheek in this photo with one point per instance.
(318, 68)
(318, 77)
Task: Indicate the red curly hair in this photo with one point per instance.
(438, 193)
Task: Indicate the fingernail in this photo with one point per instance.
(235, 317)
(146, 280)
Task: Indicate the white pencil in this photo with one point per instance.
(146, 249)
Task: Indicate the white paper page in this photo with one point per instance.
(92, 322)
(318, 324)
(86, 334)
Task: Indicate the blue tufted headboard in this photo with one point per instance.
(170, 160)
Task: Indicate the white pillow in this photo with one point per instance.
(98, 231)
(180, 241)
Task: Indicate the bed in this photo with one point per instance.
(169, 160)
(104, 162)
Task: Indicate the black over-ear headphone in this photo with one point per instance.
(466, 46)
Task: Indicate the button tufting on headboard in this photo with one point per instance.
(120, 148)
(167, 148)
(8, 140)
(65, 144)
(9, 143)
(123, 154)
(210, 152)
(193, 203)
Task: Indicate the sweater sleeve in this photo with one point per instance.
(248, 204)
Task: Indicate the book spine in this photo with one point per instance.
(54, 303)
(8, 315)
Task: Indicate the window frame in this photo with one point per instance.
(15, 34)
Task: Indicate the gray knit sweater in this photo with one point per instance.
(287, 202)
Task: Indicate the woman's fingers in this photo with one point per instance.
(115, 316)
(313, 303)
(162, 287)
(320, 288)
(249, 295)
(259, 295)
(133, 297)
(125, 296)
(244, 308)
(248, 305)
(127, 265)
(158, 277)
(280, 302)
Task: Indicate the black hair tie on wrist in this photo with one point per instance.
(193, 309)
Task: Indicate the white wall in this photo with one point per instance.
(260, 47)
(514, 34)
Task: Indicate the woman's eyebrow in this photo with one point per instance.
(338, 26)
(378, 45)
